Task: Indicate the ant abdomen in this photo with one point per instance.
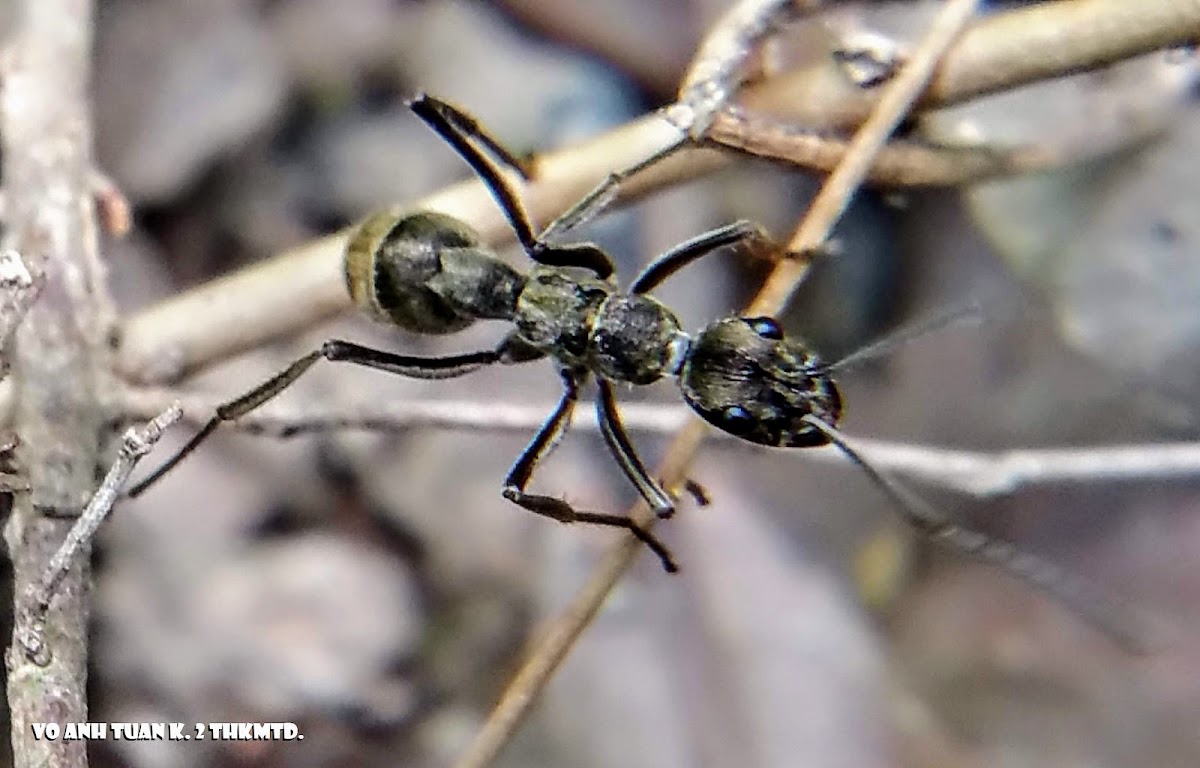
(427, 272)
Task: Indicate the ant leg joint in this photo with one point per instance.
(334, 350)
(664, 511)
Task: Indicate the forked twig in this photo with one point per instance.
(556, 643)
(136, 444)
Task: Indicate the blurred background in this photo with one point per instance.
(379, 592)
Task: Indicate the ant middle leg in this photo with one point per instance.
(621, 447)
(557, 509)
(337, 351)
(457, 128)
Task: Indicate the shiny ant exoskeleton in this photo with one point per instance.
(429, 273)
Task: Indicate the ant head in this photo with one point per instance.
(743, 376)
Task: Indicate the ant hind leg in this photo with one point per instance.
(334, 351)
(467, 125)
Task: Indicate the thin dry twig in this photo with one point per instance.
(135, 444)
(1092, 33)
(901, 162)
(835, 194)
(553, 647)
(719, 68)
(293, 290)
(705, 115)
(980, 474)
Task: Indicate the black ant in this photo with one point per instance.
(429, 273)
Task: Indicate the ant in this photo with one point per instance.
(428, 272)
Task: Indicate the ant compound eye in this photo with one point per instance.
(766, 327)
(736, 420)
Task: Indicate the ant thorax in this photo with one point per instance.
(586, 323)
(635, 339)
(742, 376)
(555, 311)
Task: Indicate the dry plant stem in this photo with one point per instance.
(60, 359)
(719, 69)
(554, 646)
(1000, 52)
(900, 163)
(835, 194)
(981, 474)
(296, 289)
(1050, 39)
(135, 445)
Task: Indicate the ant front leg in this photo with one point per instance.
(339, 351)
(557, 509)
(698, 247)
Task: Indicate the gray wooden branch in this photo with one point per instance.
(60, 362)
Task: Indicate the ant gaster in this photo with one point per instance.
(429, 273)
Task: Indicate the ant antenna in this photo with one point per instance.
(970, 311)
(1073, 591)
